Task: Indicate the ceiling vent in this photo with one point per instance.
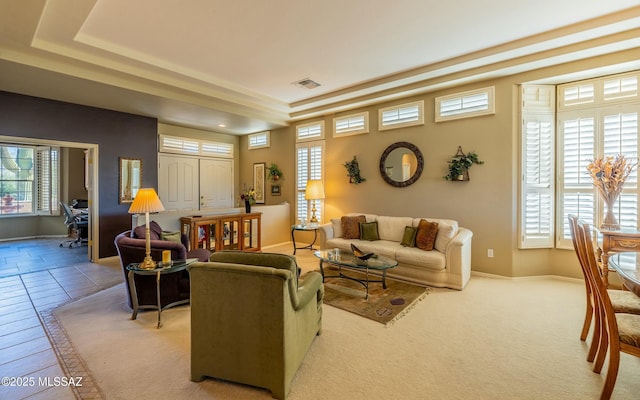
(306, 83)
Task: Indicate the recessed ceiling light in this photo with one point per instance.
(306, 83)
(222, 126)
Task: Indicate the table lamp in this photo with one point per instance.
(146, 201)
(313, 192)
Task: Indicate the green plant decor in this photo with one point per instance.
(274, 172)
(459, 165)
(353, 171)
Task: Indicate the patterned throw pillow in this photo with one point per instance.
(369, 231)
(409, 237)
(351, 226)
(426, 236)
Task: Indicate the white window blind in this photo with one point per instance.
(538, 167)
(259, 140)
(409, 114)
(179, 145)
(351, 125)
(47, 183)
(621, 87)
(465, 104)
(311, 131)
(309, 165)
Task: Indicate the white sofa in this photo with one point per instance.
(447, 265)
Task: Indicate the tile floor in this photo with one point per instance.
(35, 277)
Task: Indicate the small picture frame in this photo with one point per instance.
(275, 190)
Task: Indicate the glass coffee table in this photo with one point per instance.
(346, 259)
(162, 269)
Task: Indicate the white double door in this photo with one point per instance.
(186, 183)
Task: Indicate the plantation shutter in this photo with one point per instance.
(537, 199)
(577, 130)
(309, 160)
(621, 137)
(47, 180)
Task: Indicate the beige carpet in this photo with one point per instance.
(497, 339)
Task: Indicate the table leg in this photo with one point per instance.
(293, 239)
(158, 296)
(384, 278)
(134, 295)
(321, 270)
(605, 269)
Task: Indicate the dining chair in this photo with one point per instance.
(620, 331)
(622, 301)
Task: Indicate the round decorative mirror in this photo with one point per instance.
(401, 164)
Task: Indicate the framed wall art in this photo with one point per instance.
(259, 170)
(275, 190)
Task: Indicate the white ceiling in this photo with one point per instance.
(207, 63)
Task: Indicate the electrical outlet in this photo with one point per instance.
(490, 253)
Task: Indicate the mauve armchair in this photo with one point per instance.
(174, 287)
(252, 322)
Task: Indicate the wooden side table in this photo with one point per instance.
(305, 228)
(175, 266)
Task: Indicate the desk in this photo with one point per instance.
(624, 240)
(305, 228)
(175, 266)
(628, 268)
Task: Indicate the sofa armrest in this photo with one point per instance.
(458, 253)
(325, 232)
(311, 287)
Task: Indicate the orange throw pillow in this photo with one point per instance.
(426, 236)
(351, 226)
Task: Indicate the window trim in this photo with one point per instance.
(320, 136)
(266, 134)
(397, 125)
(337, 133)
(490, 110)
(197, 147)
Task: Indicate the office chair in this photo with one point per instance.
(79, 223)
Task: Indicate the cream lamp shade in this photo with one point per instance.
(314, 191)
(145, 202)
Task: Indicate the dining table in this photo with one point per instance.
(615, 242)
(627, 265)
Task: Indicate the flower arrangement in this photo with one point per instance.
(249, 195)
(608, 174)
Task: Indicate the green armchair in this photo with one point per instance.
(252, 322)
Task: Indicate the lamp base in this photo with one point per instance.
(147, 263)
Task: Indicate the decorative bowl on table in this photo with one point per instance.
(360, 254)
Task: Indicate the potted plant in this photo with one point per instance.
(353, 171)
(459, 165)
(274, 172)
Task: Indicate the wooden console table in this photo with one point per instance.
(240, 231)
(624, 240)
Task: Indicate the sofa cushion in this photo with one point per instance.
(433, 260)
(409, 237)
(171, 236)
(369, 231)
(155, 231)
(336, 224)
(392, 228)
(351, 226)
(426, 235)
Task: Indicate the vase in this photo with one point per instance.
(247, 206)
(609, 221)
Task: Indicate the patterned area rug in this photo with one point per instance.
(385, 306)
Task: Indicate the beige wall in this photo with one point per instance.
(487, 204)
